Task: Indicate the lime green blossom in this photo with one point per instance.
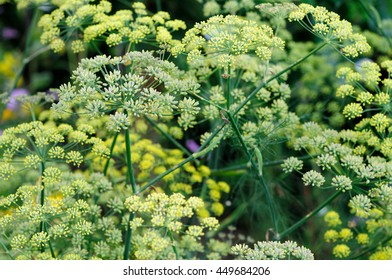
(345, 234)
(331, 235)
(342, 183)
(84, 22)
(353, 110)
(326, 161)
(384, 253)
(292, 164)
(362, 238)
(360, 205)
(228, 38)
(345, 90)
(211, 8)
(380, 122)
(127, 93)
(341, 251)
(332, 218)
(313, 178)
(329, 27)
(272, 250)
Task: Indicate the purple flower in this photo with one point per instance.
(1, 132)
(53, 95)
(192, 145)
(10, 33)
(13, 104)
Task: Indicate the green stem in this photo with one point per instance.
(278, 162)
(173, 246)
(105, 170)
(128, 238)
(254, 92)
(160, 176)
(6, 249)
(50, 245)
(281, 235)
(26, 59)
(245, 166)
(42, 226)
(202, 151)
(42, 198)
(168, 136)
(228, 173)
(228, 93)
(242, 166)
(208, 101)
(51, 250)
(72, 60)
(374, 16)
(260, 177)
(132, 180)
(129, 161)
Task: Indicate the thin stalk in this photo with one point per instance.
(6, 249)
(105, 169)
(129, 160)
(374, 16)
(131, 47)
(245, 166)
(280, 161)
(281, 235)
(231, 168)
(228, 93)
(72, 60)
(95, 47)
(260, 177)
(42, 198)
(208, 101)
(132, 180)
(128, 238)
(201, 151)
(168, 136)
(42, 226)
(229, 173)
(50, 245)
(173, 246)
(253, 93)
(25, 59)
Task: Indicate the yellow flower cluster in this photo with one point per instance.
(150, 159)
(272, 250)
(215, 190)
(347, 238)
(372, 94)
(226, 39)
(8, 65)
(85, 23)
(40, 143)
(332, 218)
(329, 27)
(164, 214)
(383, 253)
(341, 251)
